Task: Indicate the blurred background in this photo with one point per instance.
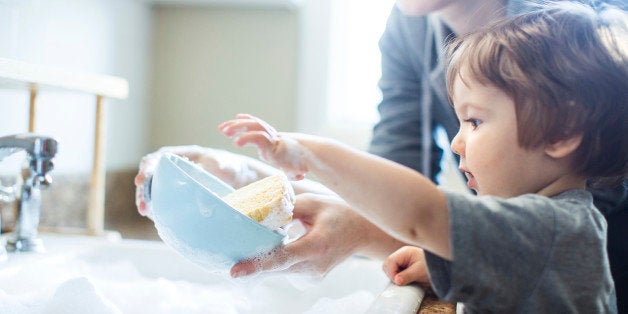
(303, 65)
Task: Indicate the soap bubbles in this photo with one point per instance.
(78, 295)
(89, 276)
(214, 263)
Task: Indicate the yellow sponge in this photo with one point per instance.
(268, 201)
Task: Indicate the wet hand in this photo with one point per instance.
(280, 149)
(334, 232)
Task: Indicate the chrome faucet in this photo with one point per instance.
(39, 150)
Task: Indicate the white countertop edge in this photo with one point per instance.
(15, 73)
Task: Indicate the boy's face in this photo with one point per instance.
(490, 155)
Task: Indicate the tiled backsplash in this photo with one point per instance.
(64, 205)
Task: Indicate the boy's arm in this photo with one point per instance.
(395, 198)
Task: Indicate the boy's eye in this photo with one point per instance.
(474, 122)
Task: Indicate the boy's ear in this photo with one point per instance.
(564, 147)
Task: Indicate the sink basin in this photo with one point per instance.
(80, 274)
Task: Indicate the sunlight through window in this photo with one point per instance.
(356, 27)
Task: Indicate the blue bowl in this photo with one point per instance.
(192, 218)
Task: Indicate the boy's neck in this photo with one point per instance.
(465, 16)
(562, 184)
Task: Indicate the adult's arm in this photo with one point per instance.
(334, 232)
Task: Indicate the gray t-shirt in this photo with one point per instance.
(529, 254)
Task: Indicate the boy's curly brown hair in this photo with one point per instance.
(566, 68)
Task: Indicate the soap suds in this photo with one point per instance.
(106, 283)
(214, 263)
(79, 295)
(281, 215)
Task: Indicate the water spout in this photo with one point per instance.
(40, 152)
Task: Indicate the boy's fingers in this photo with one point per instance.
(235, 127)
(245, 123)
(390, 267)
(400, 279)
(414, 272)
(261, 140)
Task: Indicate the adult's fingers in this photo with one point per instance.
(280, 259)
(308, 205)
(275, 260)
(139, 178)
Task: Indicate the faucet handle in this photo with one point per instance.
(36, 172)
(40, 150)
(43, 167)
(43, 181)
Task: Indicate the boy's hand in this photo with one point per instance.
(407, 265)
(279, 149)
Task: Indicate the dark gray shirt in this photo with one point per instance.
(530, 254)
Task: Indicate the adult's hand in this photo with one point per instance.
(334, 232)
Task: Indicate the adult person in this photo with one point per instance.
(413, 87)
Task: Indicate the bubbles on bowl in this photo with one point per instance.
(206, 210)
(213, 263)
(191, 217)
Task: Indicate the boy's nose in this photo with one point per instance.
(457, 145)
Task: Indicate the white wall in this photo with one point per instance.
(213, 62)
(106, 37)
(189, 67)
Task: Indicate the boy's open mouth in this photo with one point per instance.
(471, 183)
(469, 175)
